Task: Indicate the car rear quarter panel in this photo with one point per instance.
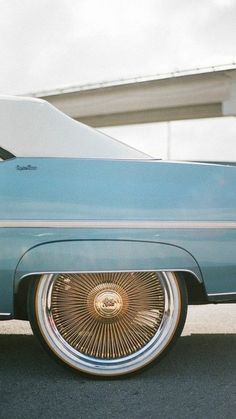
(103, 256)
(74, 189)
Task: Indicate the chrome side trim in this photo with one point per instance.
(113, 224)
(124, 270)
(5, 316)
(222, 293)
(229, 297)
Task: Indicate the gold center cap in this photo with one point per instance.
(108, 303)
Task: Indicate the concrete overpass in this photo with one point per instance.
(202, 93)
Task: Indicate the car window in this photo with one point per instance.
(5, 155)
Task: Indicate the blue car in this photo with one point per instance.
(101, 247)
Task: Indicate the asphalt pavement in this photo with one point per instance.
(197, 379)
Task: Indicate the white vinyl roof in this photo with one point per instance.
(34, 128)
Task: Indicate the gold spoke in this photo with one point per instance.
(107, 315)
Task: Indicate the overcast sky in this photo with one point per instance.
(48, 44)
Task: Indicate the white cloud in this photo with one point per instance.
(45, 44)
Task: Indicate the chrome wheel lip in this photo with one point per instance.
(111, 367)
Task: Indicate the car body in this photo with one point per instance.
(102, 247)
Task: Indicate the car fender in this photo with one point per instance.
(104, 256)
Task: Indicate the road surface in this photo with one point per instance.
(196, 380)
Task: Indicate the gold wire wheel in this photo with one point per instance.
(107, 315)
(110, 323)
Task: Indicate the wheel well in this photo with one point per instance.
(196, 293)
(21, 297)
(195, 289)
